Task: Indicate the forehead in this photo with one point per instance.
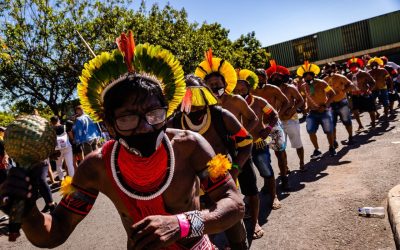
(215, 81)
(241, 84)
(133, 106)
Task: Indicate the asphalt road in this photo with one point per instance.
(319, 213)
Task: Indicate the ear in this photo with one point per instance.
(110, 129)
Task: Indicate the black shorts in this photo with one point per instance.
(76, 149)
(363, 103)
(248, 180)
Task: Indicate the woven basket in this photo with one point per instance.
(29, 140)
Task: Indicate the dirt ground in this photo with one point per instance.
(319, 213)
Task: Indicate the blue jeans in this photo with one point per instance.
(382, 95)
(262, 160)
(341, 109)
(314, 119)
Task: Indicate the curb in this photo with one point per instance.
(394, 213)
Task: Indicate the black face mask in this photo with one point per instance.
(197, 116)
(309, 81)
(144, 144)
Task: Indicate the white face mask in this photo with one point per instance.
(221, 92)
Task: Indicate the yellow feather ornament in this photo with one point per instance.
(218, 166)
(66, 187)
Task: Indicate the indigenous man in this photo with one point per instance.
(151, 174)
(340, 105)
(319, 96)
(279, 76)
(361, 95)
(220, 77)
(264, 134)
(199, 113)
(382, 82)
(393, 70)
(280, 103)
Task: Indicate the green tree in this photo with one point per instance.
(41, 53)
(248, 52)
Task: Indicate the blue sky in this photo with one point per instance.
(279, 21)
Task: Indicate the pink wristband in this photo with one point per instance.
(184, 225)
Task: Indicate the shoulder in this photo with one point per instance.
(188, 140)
(320, 82)
(90, 169)
(272, 88)
(260, 101)
(341, 77)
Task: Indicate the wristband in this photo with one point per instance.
(196, 223)
(235, 165)
(184, 225)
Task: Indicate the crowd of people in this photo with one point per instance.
(181, 148)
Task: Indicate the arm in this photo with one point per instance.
(243, 142)
(370, 81)
(228, 207)
(282, 102)
(330, 94)
(270, 118)
(298, 99)
(348, 85)
(250, 119)
(51, 230)
(388, 80)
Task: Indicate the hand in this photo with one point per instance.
(5, 161)
(322, 108)
(17, 186)
(154, 232)
(264, 133)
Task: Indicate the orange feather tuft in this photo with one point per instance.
(209, 57)
(126, 44)
(306, 64)
(186, 105)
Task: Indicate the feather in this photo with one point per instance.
(273, 64)
(187, 101)
(306, 65)
(209, 57)
(218, 166)
(126, 44)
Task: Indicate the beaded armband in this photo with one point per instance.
(196, 224)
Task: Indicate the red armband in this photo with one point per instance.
(79, 202)
(242, 138)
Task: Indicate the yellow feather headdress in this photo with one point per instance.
(217, 65)
(144, 60)
(377, 60)
(196, 94)
(308, 67)
(249, 76)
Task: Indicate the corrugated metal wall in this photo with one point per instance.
(282, 53)
(365, 34)
(330, 43)
(385, 29)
